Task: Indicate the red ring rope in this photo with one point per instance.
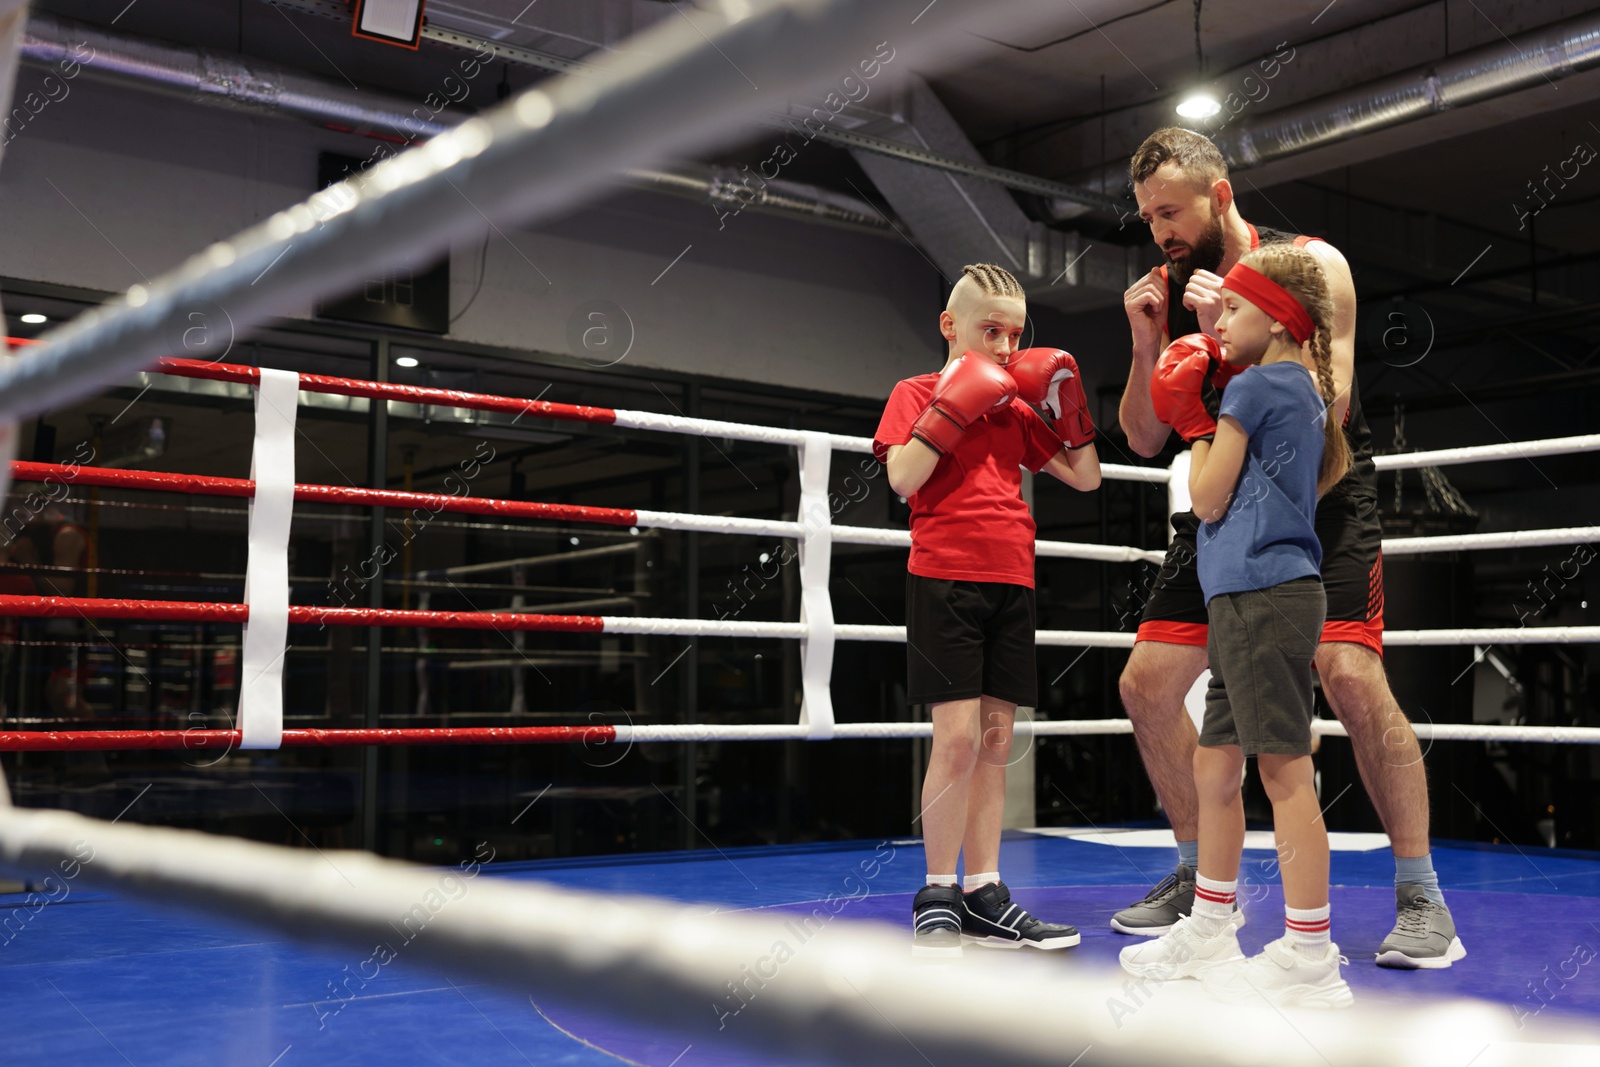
(415, 394)
(52, 607)
(207, 485)
(222, 740)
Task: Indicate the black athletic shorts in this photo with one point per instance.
(970, 639)
(1352, 574)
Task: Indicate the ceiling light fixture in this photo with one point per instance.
(33, 318)
(390, 21)
(1199, 105)
(406, 361)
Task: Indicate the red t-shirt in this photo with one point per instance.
(968, 521)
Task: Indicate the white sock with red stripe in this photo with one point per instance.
(1213, 904)
(1308, 929)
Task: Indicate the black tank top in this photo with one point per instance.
(1363, 477)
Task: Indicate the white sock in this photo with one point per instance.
(973, 882)
(1213, 903)
(942, 879)
(1308, 929)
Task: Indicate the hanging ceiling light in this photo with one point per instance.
(1201, 102)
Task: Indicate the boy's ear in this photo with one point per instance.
(947, 326)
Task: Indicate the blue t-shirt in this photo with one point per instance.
(1267, 536)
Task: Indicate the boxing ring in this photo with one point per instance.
(781, 971)
(814, 533)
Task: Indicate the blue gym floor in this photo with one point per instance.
(93, 978)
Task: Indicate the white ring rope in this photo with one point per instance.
(732, 431)
(653, 627)
(1128, 473)
(848, 998)
(1550, 446)
(875, 535)
(1506, 635)
(1102, 553)
(1414, 546)
(851, 731)
(897, 538)
(1471, 731)
(1510, 635)
(739, 431)
(719, 524)
(856, 731)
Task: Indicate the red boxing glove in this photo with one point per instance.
(1049, 377)
(1185, 388)
(970, 387)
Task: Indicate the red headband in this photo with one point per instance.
(1272, 298)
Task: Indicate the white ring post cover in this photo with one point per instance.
(1178, 490)
(1194, 702)
(13, 17)
(266, 576)
(816, 609)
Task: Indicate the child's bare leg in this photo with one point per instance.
(947, 785)
(986, 799)
(1217, 772)
(1301, 834)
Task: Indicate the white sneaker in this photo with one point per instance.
(1182, 952)
(1285, 976)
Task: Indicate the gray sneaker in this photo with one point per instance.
(1424, 934)
(1171, 899)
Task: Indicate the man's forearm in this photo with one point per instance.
(1146, 433)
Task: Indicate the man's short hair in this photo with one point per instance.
(1194, 154)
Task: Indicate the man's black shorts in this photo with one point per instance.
(970, 639)
(1352, 574)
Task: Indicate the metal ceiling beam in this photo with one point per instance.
(1011, 179)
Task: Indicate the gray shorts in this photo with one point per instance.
(1261, 643)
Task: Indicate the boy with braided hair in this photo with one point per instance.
(954, 443)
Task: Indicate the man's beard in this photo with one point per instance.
(1206, 255)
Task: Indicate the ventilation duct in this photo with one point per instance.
(200, 76)
(1527, 61)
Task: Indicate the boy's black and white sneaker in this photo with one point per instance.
(936, 918)
(992, 919)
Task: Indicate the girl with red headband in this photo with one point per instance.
(1263, 452)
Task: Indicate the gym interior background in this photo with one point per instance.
(780, 288)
